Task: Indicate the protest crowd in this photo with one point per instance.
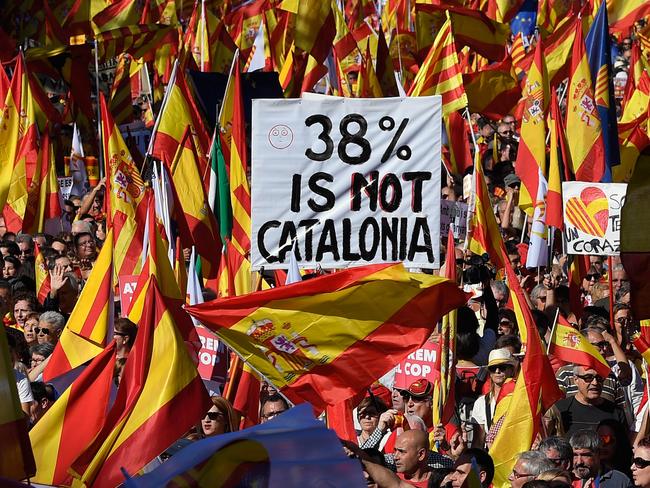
(184, 305)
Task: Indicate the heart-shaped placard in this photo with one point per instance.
(590, 212)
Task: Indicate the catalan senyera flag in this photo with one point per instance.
(554, 212)
(116, 15)
(121, 104)
(140, 41)
(160, 391)
(550, 13)
(42, 275)
(234, 272)
(531, 156)
(126, 189)
(535, 391)
(584, 131)
(85, 333)
(440, 73)
(73, 421)
(641, 345)
(624, 13)
(201, 222)
(17, 460)
(486, 236)
(518, 54)
(240, 195)
(315, 360)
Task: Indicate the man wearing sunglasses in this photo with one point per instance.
(587, 467)
(587, 408)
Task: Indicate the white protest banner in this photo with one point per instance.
(65, 186)
(421, 363)
(355, 181)
(456, 213)
(592, 217)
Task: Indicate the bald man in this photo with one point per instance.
(411, 452)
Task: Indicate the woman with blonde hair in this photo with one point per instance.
(220, 419)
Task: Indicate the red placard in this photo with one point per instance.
(127, 284)
(212, 356)
(421, 363)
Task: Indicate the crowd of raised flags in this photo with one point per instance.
(117, 390)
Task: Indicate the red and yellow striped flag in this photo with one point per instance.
(531, 156)
(43, 202)
(117, 14)
(518, 54)
(41, 275)
(140, 41)
(486, 236)
(534, 392)
(554, 213)
(125, 189)
(178, 112)
(584, 131)
(317, 361)
(73, 421)
(84, 335)
(569, 345)
(240, 195)
(17, 460)
(160, 391)
(440, 73)
(121, 103)
(622, 14)
(208, 40)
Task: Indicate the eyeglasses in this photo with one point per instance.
(116, 333)
(588, 378)
(516, 475)
(505, 323)
(641, 463)
(44, 330)
(607, 439)
(600, 345)
(593, 276)
(623, 320)
(368, 415)
(86, 243)
(416, 399)
(215, 415)
(506, 133)
(500, 367)
(270, 415)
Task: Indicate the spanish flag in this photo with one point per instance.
(325, 339)
(486, 235)
(584, 131)
(493, 91)
(161, 396)
(73, 421)
(17, 460)
(84, 335)
(554, 212)
(137, 40)
(531, 156)
(440, 73)
(624, 13)
(41, 274)
(534, 392)
(571, 346)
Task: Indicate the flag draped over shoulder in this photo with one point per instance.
(534, 392)
(73, 420)
(440, 73)
(17, 460)
(571, 346)
(369, 318)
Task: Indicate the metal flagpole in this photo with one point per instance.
(99, 115)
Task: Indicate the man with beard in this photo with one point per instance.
(587, 469)
(587, 408)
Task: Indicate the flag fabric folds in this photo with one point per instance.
(265, 453)
(440, 73)
(327, 360)
(569, 345)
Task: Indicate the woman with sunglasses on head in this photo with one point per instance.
(220, 419)
(501, 367)
(641, 464)
(615, 451)
(368, 412)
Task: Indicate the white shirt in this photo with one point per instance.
(24, 388)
